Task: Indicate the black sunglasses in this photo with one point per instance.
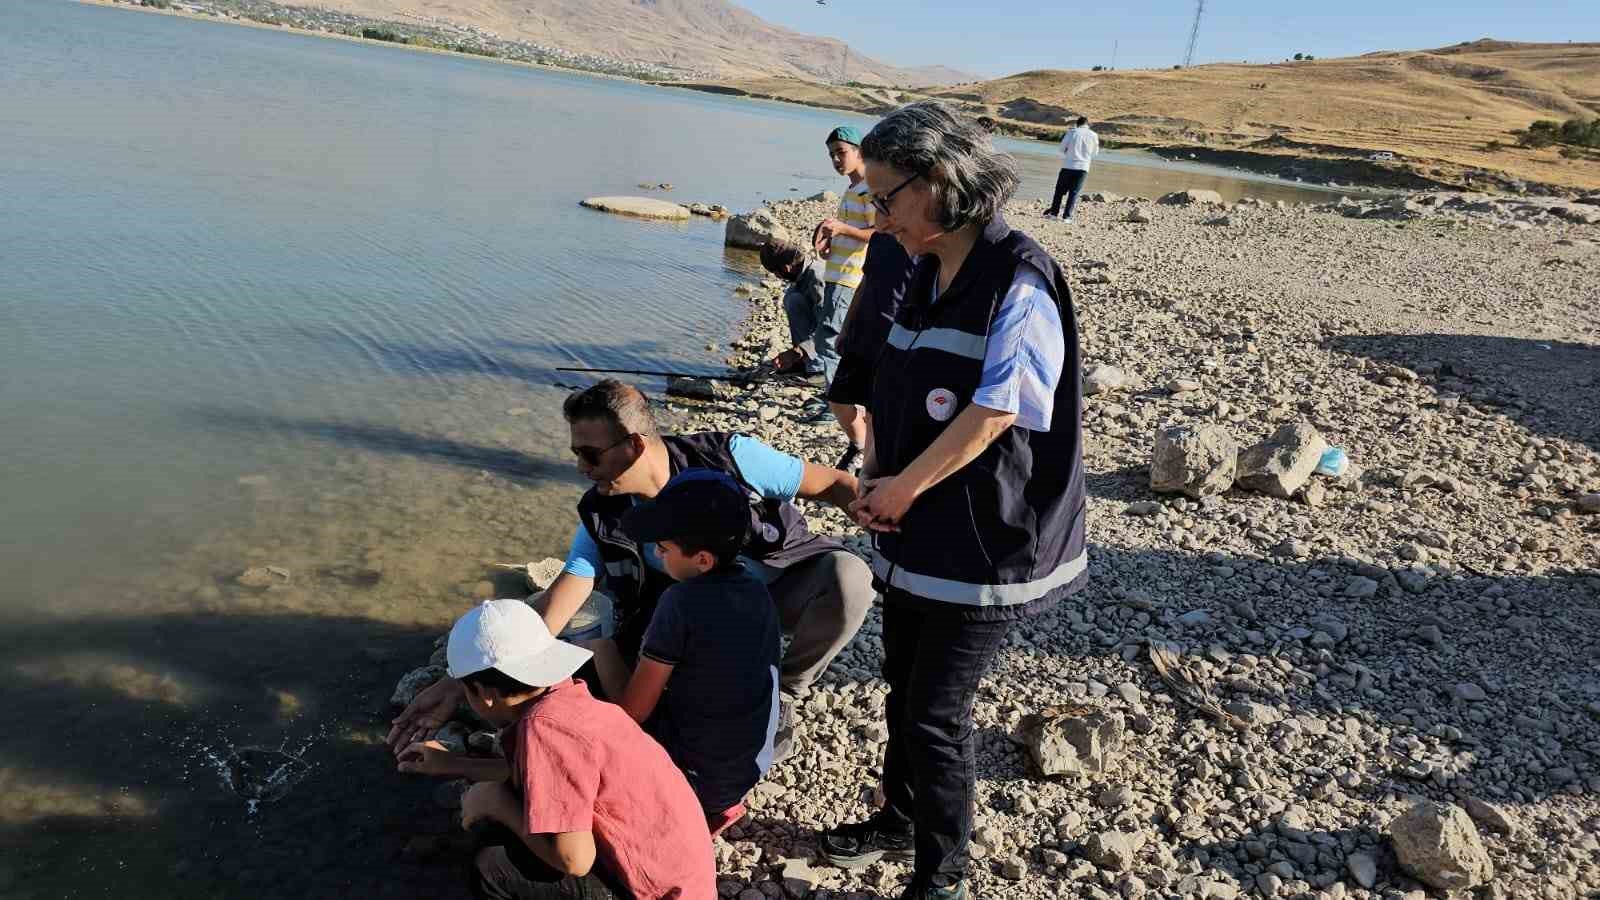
(881, 204)
(591, 455)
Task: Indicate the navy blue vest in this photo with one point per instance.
(1007, 530)
(778, 535)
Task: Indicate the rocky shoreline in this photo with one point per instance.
(1379, 685)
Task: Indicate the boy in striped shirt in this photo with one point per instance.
(842, 243)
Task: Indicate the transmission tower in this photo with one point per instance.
(1194, 33)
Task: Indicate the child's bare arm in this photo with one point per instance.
(431, 758)
(609, 665)
(645, 687)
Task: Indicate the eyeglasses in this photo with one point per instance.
(881, 204)
(592, 455)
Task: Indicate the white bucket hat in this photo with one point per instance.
(509, 636)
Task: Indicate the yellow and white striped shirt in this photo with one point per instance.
(848, 255)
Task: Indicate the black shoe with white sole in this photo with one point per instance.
(856, 845)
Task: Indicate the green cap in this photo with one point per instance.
(847, 133)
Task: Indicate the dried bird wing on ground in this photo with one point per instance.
(1190, 686)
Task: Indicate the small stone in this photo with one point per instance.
(1195, 618)
(1113, 850)
(1103, 379)
(1137, 216)
(1360, 587)
(1588, 504)
(1470, 692)
(1431, 635)
(768, 413)
(1363, 868)
(1116, 797)
(1143, 508)
(1182, 386)
(1013, 869)
(413, 682)
(1490, 816)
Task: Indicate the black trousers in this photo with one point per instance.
(503, 868)
(1069, 182)
(934, 655)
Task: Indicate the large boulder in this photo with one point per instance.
(640, 207)
(752, 230)
(1062, 743)
(1437, 844)
(1283, 463)
(1197, 460)
(1190, 197)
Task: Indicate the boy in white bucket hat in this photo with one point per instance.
(587, 804)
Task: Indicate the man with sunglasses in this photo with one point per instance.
(822, 590)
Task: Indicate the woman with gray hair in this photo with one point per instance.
(973, 487)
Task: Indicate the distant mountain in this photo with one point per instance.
(698, 37)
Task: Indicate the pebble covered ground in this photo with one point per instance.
(1424, 627)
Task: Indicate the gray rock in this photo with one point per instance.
(1137, 216)
(1143, 508)
(828, 197)
(1103, 379)
(1058, 744)
(799, 878)
(1113, 850)
(1437, 844)
(640, 207)
(1218, 221)
(752, 230)
(413, 683)
(263, 576)
(1282, 464)
(700, 389)
(1490, 816)
(1013, 869)
(1195, 618)
(1588, 504)
(1190, 197)
(1470, 692)
(454, 736)
(1363, 868)
(1200, 461)
(1360, 587)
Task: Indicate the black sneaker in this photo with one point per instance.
(850, 461)
(783, 739)
(957, 891)
(856, 845)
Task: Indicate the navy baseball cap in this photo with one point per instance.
(699, 503)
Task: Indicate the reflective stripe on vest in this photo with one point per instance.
(950, 340)
(951, 591)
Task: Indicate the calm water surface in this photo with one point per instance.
(268, 299)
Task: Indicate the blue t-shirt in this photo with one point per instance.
(772, 473)
(719, 713)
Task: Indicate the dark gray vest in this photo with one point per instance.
(1007, 530)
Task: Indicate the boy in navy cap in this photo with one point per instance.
(706, 685)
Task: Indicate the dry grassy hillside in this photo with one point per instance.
(1435, 109)
(694, 35)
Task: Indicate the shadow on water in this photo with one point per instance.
(535, 362)
(109, 764)
(512, 464)
(1550, 387)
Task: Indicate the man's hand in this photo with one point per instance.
(425, 714)
(490, 800)
(884, 502)
(426, 758)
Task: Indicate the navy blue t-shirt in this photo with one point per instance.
(719, 711)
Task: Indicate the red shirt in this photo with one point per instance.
(584, 765)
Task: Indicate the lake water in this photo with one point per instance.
(274, 300)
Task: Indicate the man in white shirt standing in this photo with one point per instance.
(1078, 149)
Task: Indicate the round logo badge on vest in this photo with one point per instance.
(769, 532)
(941, 404)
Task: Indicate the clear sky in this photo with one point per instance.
(1000, 37)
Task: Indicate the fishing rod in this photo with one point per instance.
(750, 378)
